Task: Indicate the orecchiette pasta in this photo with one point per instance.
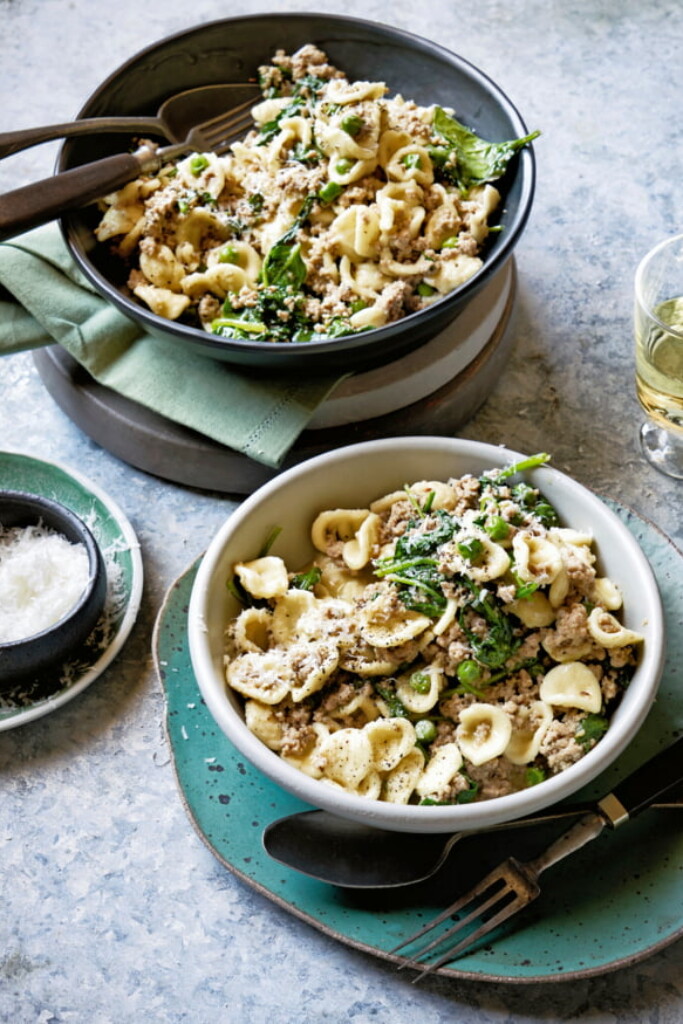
(608, 631)
(436, 649)
(341, 210)
(483, 733)
(572, 685)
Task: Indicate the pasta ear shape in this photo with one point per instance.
(383, 624)
(337, 524)
(535, 611)
(399, 784)
(491, 562)
(161, 268)
(294, 617)
(484, 732)
(312, 665)
(537, 560)
(347, 757)
(162, 301)
(266, 677)
(607, 631)
(421, 694)
(571, 685)
(310, 760)
(528, 729)
(371, 786)
(391, 739)
(251, 630)
(443, 766)
(263, 577)
(260, 719)
(605, 592)
(358, 551)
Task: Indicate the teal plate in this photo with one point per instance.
(610, 905)
(121, 552)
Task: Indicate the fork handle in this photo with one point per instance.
(42, 201)
(642, 787)
(14, 142)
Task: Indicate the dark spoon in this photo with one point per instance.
(354, 856)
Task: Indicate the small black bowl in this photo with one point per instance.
(231, 51)
(36, 654)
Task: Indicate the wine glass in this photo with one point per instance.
(659, 354)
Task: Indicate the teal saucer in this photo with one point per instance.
(610, 905)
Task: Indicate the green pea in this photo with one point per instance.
(425, 731)
(420, 682)
(411, 161)
(452, 242)
(468, 671)
(425, 289)
(344, 165)
(329, 192)
(198, 164)
(229, 255)
(352, 124)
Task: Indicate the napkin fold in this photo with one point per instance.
(47, 300)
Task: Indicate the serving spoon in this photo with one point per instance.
(355, 856)
(173, 119)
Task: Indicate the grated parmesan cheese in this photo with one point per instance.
(42, 576)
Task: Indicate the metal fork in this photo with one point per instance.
(215, 135)
(513, 885)
(505, 891)
(42, 201)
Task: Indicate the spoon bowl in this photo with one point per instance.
(351, 855)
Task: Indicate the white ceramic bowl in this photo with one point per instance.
(351, 477)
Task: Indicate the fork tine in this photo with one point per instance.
(505, 890)
(487, 926)
(489, 889)
(454, 908)
(224, 140)
(224, 122)
(219, 132)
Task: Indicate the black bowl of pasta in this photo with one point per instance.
(385, 180)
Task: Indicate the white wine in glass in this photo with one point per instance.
(659, 355)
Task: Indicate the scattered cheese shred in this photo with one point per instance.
(42, 576)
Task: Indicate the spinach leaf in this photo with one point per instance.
(531, 500)
(397, 708)
(418, 541)
(499, 642)
(591, 729)
(477, 161)
(307, 580)
(284, 264)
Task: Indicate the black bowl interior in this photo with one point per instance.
(231, 51)
(36, 653)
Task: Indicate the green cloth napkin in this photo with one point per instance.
(50, 301)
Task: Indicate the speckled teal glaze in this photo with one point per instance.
(612, 904)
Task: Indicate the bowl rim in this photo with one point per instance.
(412, 817)
(346, 344)
(34, 503)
